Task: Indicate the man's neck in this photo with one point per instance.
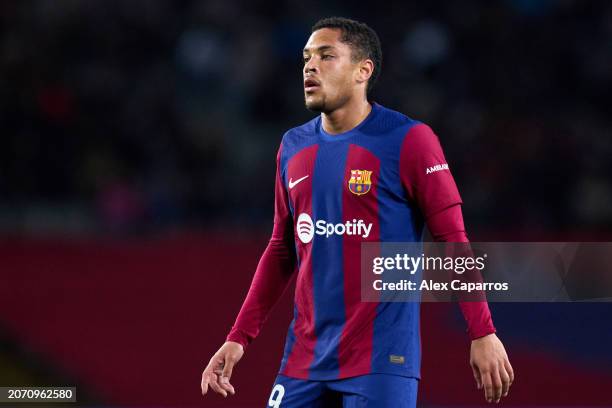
(347, 117)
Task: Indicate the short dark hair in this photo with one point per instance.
(363, 40)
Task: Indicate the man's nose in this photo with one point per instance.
(310, 66)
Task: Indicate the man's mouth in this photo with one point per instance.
(311, 85)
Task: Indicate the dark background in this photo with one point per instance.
(137, 152)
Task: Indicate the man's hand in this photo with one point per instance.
(218, 372)
(492, 370)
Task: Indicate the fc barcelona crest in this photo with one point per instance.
(360, 182)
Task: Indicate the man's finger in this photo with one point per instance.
(227, 374)
(497, 384)
(206, 377)
(477, 377)
(215, 385)
(204, 383)
(224, 382)
(505, 379)
(509, 370)
(487, 385)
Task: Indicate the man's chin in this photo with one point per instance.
(315, 105)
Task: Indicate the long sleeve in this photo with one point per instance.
(447, 226)
(429, 183)
(273, 272)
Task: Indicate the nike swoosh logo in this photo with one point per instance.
(295, 183)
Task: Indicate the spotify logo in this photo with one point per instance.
(305, 228)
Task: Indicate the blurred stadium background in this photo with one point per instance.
(137, 153)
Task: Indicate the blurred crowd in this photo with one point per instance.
(145, 115)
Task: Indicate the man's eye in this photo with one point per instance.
(327, 57)
(306, 59)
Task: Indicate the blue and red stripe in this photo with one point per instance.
(300, 354)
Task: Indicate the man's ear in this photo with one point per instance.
(364, 71)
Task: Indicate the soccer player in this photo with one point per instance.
(382, 176)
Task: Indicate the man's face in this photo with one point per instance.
(328, 71)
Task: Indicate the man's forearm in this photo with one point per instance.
(271, 278)
(447, 226)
